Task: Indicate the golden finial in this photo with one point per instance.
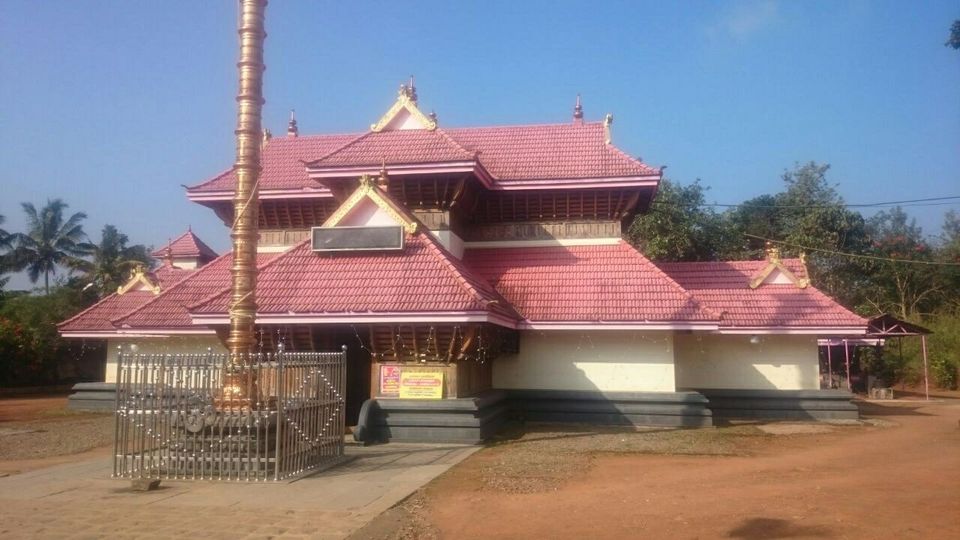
(412, 91)
(292, 130)
(267, 135)
(384, 180)
(607, 122)
(773, 252)
(578, 111)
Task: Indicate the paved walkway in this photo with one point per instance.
(80, 500)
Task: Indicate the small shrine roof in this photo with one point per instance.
(598, 284)
(726, 287)
(186, 245)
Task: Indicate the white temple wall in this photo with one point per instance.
(776, 362)
(600, 360)
(170, 345)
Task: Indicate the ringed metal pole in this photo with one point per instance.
(830, 365)
(846, 353)
(926, 377)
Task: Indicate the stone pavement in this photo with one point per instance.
(80, 500)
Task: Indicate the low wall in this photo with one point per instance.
(673, 409)
(729, 404)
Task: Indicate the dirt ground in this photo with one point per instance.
(38, 431)
(896, 476)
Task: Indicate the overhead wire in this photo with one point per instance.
(855, 255)
(929, 201)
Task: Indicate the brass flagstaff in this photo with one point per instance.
(239, 387)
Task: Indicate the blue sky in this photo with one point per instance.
(112, 105)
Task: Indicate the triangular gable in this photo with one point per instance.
(404, 114)
(368, 191)
(139, 277)
(776, 272)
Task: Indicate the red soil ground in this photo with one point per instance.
(884, 482)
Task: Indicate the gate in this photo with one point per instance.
(169, 424)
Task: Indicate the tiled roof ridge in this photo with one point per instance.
(200, 271)
(226, 290)
(210, 180)
(461, 272)
(342, 147)
(87, 310)
(597, 123)
(617, 151)
(449, 138)
(659, 271)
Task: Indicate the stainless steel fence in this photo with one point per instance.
(171, 421)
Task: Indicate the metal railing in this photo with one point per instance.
(172, 421)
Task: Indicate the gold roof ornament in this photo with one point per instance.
(775, 262)
(607, 122)
(578, 111)
(138, 277)
(369, 190)
(406, 102)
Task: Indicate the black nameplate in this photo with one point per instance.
(357, 238)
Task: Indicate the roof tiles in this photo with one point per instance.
(601, 283)
(725, 286)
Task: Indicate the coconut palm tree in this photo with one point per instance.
(50, 241)
(5, 244)
(112, 260)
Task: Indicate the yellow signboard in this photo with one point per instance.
(421, 384)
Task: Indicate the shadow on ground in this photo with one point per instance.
(764, 528)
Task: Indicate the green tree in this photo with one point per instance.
(5, 244)
(50, 241)
(111, 261)
(954, 40)
(908, 290)
(679, 227)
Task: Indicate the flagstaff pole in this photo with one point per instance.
(239, 384)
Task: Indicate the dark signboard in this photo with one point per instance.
(357, 238)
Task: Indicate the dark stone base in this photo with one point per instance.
(93, 396)
(732, 404)
(672, 409)
(463, 420)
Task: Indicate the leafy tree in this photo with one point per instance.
(679, 227)
(954, 40)
(907, 290)
(111, 260)
(50, 241)
(5, 244)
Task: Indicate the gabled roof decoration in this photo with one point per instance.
(775, 263)
(139, 277)
(368, 190)
(406, 102)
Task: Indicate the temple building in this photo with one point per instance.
(480, 274)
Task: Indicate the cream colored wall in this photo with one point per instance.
(172, 345)
(605, 360)
(731, 361)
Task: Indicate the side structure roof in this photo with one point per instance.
(725, 287)
(613, 285)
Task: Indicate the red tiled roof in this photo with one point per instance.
(283, 161)
(97, 317)
(725, 287)
(168, 310)
(422, 278)
(407, 146)
(550, 151)
(186, 245)
(585, 284)
(166, 275)
(509, 153)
